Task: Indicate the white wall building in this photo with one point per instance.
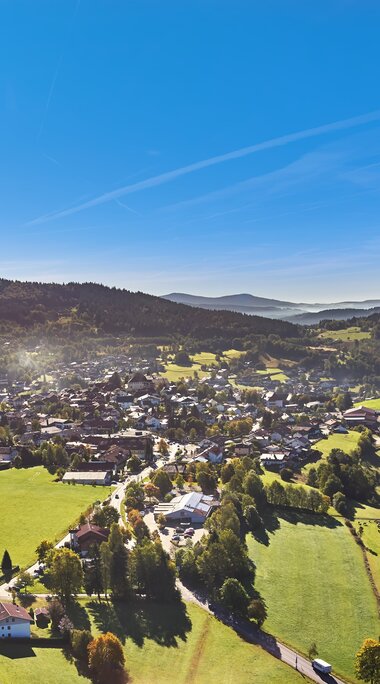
(14, 622)
(193, 507)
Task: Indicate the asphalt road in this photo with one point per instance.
(242, 627)
(257, 636)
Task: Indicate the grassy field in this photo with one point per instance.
(371, 539)
(163, 644)
(34, 507)
(345, 335)
(370, 403)
(275, 374)
(232, 353)
(347, 443)
(174, 373)
(313, 579)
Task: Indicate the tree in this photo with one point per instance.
(367, 661)
(152, 572)
(182, 358)
(118, 563)
(313, 651)
(257, 611)
(162, 480)
(6, 565)
(24, 580)
(79, 641)
(151, 491)
(105, 657)
(180, 481)
(134, 464)
(104, 516)
(252, 518)
(93, 580)
(105, 564)
(66, 573)
(161, 520)
(234, 597)
(43, 548)
(227, 472)
(340, 503)
(163, 447)
(134, 496)
(65, 625)
(56, 612)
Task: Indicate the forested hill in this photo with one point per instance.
(99, 309)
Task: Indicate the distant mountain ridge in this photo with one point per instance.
(297, 312)
(90, 308)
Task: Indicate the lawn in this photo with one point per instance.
(346, 335)
(370, 403)
(174, 373)
(34, 507)
(347, 443)
(311, 574)
(275, 374)
(204, 358)
(163, 644)
(371, 539)
(233, 354)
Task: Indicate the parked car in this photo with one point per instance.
(176, 537)
(117, 496)
(179, 530)
(189, 531)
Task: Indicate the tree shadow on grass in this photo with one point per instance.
(26, 600)
(16, 651)
(78, 615)
(165, 624)
(296, 517)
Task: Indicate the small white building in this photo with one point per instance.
(14, 622)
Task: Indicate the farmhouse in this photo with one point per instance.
(362, 415)
(194, 507)
(140, 383)
(86, 535)
(14, 622)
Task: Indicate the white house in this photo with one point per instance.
(14, 622)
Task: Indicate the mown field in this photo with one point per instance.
(174, 373)
(311, 574)
(345, 335)
(371, 539)
(163, 644)
(275, 374)
(370, 403)
(346, 443)
(34, 507)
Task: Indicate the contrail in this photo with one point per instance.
(55, 76)
(125, 206)
(205, 163)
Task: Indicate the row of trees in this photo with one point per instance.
(296, 497)
(345, 474)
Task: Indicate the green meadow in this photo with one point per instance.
(311, 574)
(34, 507)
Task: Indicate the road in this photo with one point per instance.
(242, 627)
(116, 500)
(253, 634)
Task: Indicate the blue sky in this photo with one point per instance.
(199, 146)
